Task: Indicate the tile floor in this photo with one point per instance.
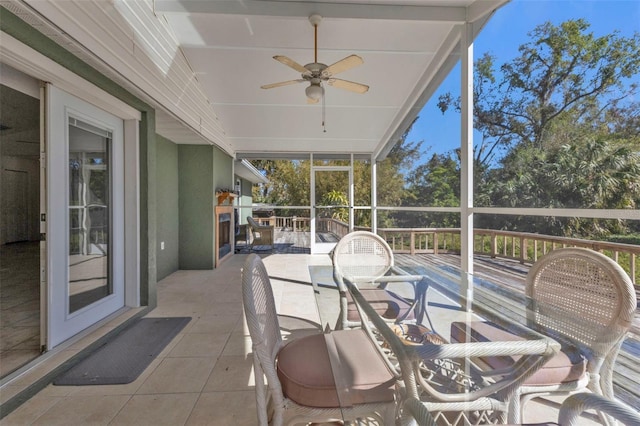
(19, 304)
(204, 376)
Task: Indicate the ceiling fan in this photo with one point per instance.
(317, 73)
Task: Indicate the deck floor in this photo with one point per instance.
(511, 276)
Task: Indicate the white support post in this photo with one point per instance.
(374, 196)
(352, 211)
(466, 158)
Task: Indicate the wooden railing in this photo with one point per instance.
(522, 246)
(291, 223)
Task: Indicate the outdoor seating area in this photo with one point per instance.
(206, 375)
(319, 213)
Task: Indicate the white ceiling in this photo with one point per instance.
(408, 47)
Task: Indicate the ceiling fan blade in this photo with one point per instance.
(343, 65)
(348, 85)
(282, 83)
(291, 64)
(312, 101)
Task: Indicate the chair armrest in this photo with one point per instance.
(577, 403)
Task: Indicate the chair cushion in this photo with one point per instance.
(566, 366)
(386, 303)
(305, 373)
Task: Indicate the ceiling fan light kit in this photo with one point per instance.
(314, 91)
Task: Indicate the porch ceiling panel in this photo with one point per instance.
(405, 45)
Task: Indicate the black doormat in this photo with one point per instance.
(122, 359)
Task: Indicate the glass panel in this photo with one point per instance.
(332, 205)
(89, 215)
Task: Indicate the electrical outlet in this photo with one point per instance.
(161, 245)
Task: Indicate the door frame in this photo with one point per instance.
(34, 64)
(323, 248)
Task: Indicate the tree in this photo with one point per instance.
(436, 183)
(565, 74)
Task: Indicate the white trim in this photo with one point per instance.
(19, 81)
(131, 214)
(63, 324)
(23, 58)
(630, 214)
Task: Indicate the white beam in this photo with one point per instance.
(374, 195)
(454, 14)
(481, 9)
(466, 145)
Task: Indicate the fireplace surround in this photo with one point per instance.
(225, 228)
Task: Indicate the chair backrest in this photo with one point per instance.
(583, 296)
(253, 224)
(361, 256)
(262, 319)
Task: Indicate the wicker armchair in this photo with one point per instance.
(301, 374)
(589, 303)
(366, 259)
(586, 302)
(261, 235)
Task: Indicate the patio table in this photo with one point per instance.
(450, 378)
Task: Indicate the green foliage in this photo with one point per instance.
(625, 239)
(561, 77)
(336, 198)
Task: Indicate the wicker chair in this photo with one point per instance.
(301, 374)
(365, 258)
(585, 301)
(589, 303)
(261, 235)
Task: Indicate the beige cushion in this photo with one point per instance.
(566, 366)
(386, 303)
(305, 371)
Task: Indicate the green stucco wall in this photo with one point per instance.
(222, 170)
(202, 170)
(167, 208)
(196, 201)
(245, 200)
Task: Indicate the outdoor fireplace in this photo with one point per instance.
(224, 233)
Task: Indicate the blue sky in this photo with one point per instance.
(505, 32)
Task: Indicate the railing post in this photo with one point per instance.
(523, 249)
(494, 245)
(435, 242)
(412, 241)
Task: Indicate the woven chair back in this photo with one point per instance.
(362, 256)
(582, 295)
(262, 319)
